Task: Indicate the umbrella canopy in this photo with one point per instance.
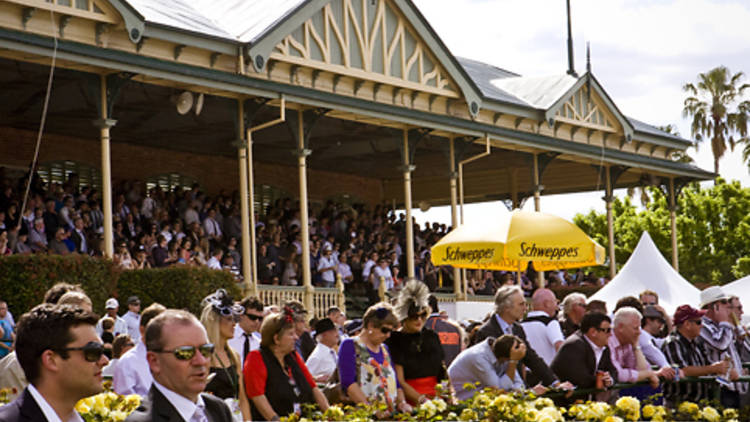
(514, 240)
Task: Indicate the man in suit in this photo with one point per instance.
(62, 358)
(179, 355)
(585, 353)
(510, 306)
(78, 235)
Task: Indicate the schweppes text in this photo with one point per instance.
(550, 253)
(471, 255)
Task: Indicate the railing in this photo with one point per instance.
(322, 297)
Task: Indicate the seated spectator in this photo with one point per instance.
(111, 307)
(304, 343)
(57, 245)
(573, 306)
(626, 355)
(272, 390)
(323, 360)
(651, 352)
(490, 363)
(690, 357)
(584, 357)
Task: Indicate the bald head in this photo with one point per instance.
(544, 300)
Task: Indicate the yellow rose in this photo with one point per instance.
(118, 415)
(82, 407)
(501, 400)
(613, 419)
(468, 415)
(730, 413)
(648, 411)
(710, 414)
(532, 415)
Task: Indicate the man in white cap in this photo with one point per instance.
(111, 307)
(717, 337)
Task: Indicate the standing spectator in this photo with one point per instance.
(323, 360)
(78, 236)
(38, 237)
(160, 252)
(585, 353)
(132, 374)
(111, 307)
(247, 332)
(326, 267)
(5, 314)
(510, 306)
(690, 357)
(133, 318)
(574, 306)
(211, 228)
(62, 358)
(449, 332)
(542, 330)
(215, 262)
(120, 346)
(382, 272)
(717, 337)
(339, 320)
(178, 357)
(7, 336)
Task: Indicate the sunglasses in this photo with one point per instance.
(92, 351)
(605, 330)
(421, 315)
(386, 330)
(252, 317)
(188, 352)
(697, 322)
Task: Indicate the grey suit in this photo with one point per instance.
(156, 408)
(23, 409)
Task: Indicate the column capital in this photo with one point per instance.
(104, 123)
(453, 175)
(304, 152)
(608, 198)
(239, 143)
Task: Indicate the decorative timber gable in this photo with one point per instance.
(87, 9)
(383, 42)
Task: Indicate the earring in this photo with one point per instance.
(369, 331)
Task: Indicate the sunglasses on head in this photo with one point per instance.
(92, 351)
(188, 352)
(252, 317)
(386, 330)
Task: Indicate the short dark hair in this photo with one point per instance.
(332, 310)
(502, 345)
(252, 302)
(55, 292)
(47, 327)
(631, 301)
(108, 323)
(119, 343)
(155, 327)
(593, 319)
(151, 312)
(433, 302)
(379, 314)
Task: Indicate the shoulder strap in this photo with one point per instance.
(544, 319)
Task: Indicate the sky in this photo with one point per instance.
(642, 52)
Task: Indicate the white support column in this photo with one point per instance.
(104, 124)
(244, 207)
(408, 168)
(302, 154)
(454, 215)
(251, 199)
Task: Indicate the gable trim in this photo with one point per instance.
(627, 127)
(135, 23)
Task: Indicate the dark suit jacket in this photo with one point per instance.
(156, 408)
(307, 345)
(540, 372)
(576, 362)
(22, 409)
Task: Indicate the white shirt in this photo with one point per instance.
(211, 227)
(214, 263)
(133, 321)
(598, 351)
(182, 404)
(132, 373)
(369, 264)
(542, 338)
(653, 354)
(121, 327)
(322, 361)
(378, 272)
(327, 262)
(47, 410)
(109, 370)
(344, 271)
(238, 342)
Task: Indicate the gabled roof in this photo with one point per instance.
(538, 91)
(483, 74)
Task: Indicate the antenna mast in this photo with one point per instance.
(571, 65)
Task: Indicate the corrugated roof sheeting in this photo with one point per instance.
(540, 92)
(179, 14)
(483, 74)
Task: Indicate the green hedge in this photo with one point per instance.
(25, 278)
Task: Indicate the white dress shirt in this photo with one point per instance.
(132, 373)
(184, 407)
(378, 272)
(322, 361)
(598, 351)
(541, 337)
(344, 270)
(121, 327)
(47, 410)
(653, 354)
(238, 342)
(327, 262)
(133, 322)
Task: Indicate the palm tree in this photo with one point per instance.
(708, 106)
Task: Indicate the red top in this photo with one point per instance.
(256, 374)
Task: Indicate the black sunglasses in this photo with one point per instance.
(188, 352)
(386, 330)
(92, 351)
(698, 321)
(252, 317)
(421, 315)
(605, 330)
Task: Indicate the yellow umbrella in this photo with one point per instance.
(516, 238)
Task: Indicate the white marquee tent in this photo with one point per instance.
(648, 270)
(741, 289)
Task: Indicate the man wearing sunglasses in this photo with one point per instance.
(247, 331)
(62, 357)
(132, 374)
(179, 355)
(690, 356)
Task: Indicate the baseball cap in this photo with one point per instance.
(686, 313)
(111, 304)
(652, 312)
(132, 300)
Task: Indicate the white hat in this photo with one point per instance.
(711, 295)
(111, 304)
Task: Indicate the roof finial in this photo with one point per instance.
(571, 66)
(588, 57)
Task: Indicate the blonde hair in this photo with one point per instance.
(211, 320)
(75, 298)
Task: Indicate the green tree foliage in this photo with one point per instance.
(713, 225)
(709, 106)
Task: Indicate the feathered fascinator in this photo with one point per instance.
(412, 299)
(222, 303)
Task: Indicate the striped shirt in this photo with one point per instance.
(683, 352)
(718, 340)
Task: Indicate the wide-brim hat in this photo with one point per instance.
(712, 294)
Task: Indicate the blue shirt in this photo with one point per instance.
(478, 364)
(6, 338)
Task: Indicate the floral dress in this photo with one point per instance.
(373, 371)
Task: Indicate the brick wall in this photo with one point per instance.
(212, 172)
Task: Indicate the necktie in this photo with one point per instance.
(245, 346)
(199, 415)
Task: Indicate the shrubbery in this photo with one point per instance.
(25, 278)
